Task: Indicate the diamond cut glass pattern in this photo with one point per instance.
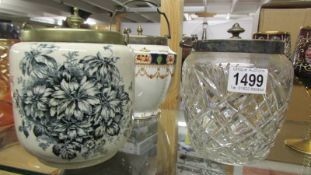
(229, 127)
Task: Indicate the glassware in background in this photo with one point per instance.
(276, 35)
(302, 57)
(204, 34)
(302, 67)
(229, 126)
(8, 36)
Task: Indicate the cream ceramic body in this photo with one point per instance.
(72, 101)
(153, 73)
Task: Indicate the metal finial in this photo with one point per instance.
(74, 21)
(140, 30)
(75, 11)
(235, 30)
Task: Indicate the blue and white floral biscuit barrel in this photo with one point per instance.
(72, 96)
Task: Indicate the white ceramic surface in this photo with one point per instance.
(72, 101)
(153, 73)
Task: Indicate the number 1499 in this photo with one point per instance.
(249, 79)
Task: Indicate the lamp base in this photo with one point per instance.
(300, 145)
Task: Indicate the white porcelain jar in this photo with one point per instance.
(73, 93)
(155, 64)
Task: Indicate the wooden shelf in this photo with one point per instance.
(14, 158)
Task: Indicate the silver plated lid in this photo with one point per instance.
(72, 34)
(235, 44)
(243, 46)
(144, 39)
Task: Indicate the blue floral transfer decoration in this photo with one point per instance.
(72, 107)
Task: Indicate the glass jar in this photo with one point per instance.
(73, 93)
(235, 94)
(8, 36)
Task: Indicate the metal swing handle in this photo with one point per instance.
(150, 2)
